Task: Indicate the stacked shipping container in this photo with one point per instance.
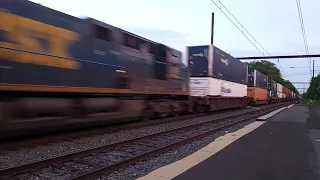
(216, 73)
(257, 86)
(279, 90)
(272, 89)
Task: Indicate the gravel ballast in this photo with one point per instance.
(143, 168)
(25, 156)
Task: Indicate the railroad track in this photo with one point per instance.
(93, 163)
(44, 140)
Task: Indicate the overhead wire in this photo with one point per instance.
(304, 36)
(299, 67)
(219, 7)
(292, 75)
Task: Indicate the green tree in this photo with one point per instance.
(313, 90)
(271, 70)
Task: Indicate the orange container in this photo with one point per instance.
(284, 90)
(258, 94)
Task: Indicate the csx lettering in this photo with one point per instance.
(26, 34)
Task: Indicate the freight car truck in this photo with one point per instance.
(217, 80)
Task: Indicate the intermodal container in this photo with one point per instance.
(198, 61)
(279, 87)
(272, 88)
(258, 94)
(210, 61)
(208, 86)
(284, 96)
(272, 84)
(284, 90)
(289, 93)
(279, 90)
(257, 79)
(251, 77)
(228, 68)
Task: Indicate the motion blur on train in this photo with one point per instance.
(58, 71)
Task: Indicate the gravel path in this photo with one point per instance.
(143, 168)
(24, 156)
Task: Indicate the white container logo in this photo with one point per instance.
(196, 82)
(225, 90)
(224, 61)
(198, 55)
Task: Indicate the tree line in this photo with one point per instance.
(313, 90)
(271, 70)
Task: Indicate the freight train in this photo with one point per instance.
(57, 69)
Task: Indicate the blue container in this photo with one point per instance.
(251, 77)
(261, 80)
(272, 88)
(198, 61)
(257, 79)
(210, 61)
(228, 68)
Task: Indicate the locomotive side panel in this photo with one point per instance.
(34, 57)
(138, 55)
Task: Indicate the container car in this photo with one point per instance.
(217, 80)
(257, 87)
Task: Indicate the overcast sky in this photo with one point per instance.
(177, 23)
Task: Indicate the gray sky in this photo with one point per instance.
(177, 23)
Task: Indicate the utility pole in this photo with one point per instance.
(313, 70)
(212, 27)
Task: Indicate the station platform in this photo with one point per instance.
(285, 146)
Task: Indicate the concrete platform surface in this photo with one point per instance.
(287, 146)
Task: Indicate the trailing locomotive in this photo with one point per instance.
(57, 70)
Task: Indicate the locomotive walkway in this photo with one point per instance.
(286, 146)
